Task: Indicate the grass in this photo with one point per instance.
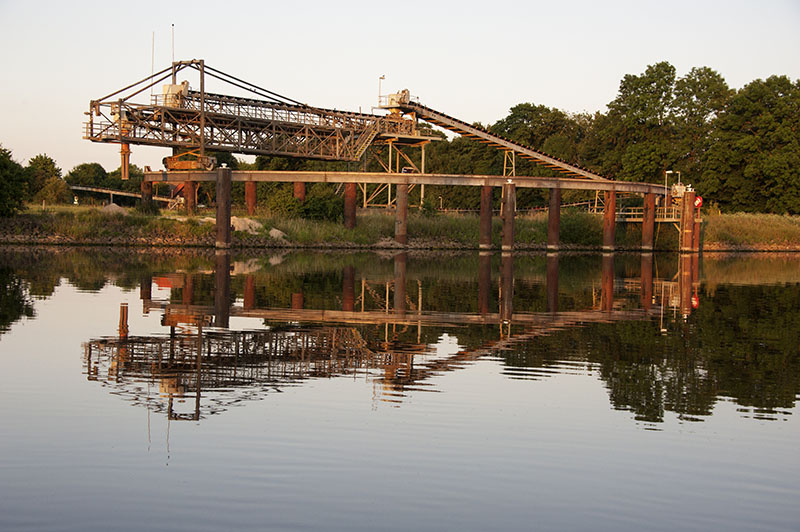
(749, 230)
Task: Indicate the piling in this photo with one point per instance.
(401, 215)
(607, 283)
(350, 205)
(484, 281)
(507, 287)
(485, 227)
(609, 220)
(554, 219)
(552, 282)
(190, 196)
(509, 208)
(300, 191)
(223, 208)
(648, 221)
(250, 197)
(646, 293)
(249, 292)
(687, 222)
(222, 292)
(400, 261)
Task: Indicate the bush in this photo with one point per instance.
(321, 203)
(148, 207)
(54, 191)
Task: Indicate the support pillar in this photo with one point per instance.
(554, 220)
(222, 292)
(401, 215)
(485, 227)
(249, 292)
(696, 233)
(250, 197)
(350, 205)
(297, 301)
(687, 222)
(609, 220)
(648, 221)
(190, 196)
(646, 294)
(300, 191)
(400, 261)
(509, 208)
(223, 208)
(147, 191)
(484, 281)
(552, 282)
(348, 289)
(607, 283)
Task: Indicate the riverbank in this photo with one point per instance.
(375, 230)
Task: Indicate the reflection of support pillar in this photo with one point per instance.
(401, 215)
(484, 281)
(400, 261)
(509, 208)
(648, 221)
(249, 292)
(646, 294)
(222, 292)
(552, 282)
(350, 205)
(696, 233)
(609, 220)
(686, 284)
(485, 227)
(297, 301)
(223, 208)
(147, 191)
(348, 288)
(507, 287)
(123, 320)
(146, 291)
(188, 288)
(250, 197)
(554, 220)
(300, 191)
(190, 196)
(687, 222)
(607, 286)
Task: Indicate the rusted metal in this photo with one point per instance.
(607, 283)
(249, 299)
(299, 191)
(350, 190)
(609, 220)
(648, 221)
(554, 219)
(509, 212)
(250, 197)
(485, 228)
(687, 222)
(223, 208)
(190, 195)
(401, 215)
(646, 294)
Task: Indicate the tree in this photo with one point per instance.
(753, 159)
(40, 169)
(55, 190)
(87, 175)
(13, 184)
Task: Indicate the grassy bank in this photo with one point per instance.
(579, 230)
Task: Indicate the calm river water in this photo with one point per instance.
(190, 391)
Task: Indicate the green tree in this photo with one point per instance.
(41, 169)
(55, 190)
(13, 184)
(87, 175)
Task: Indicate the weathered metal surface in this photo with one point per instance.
(554, 219)
(609, 219)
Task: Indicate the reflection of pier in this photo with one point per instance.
(232, 366)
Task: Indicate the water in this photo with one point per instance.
(409, 392)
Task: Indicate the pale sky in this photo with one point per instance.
(471, 59)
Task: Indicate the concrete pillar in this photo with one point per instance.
(687, 222)
(509, 209)
(401, 215)
(400, 261)
(250, 197)
(249, 292)
(222, 291)
(190, 196)
(646, 294)
(223, 208)
(554, 219)
(648, 221)
(147, 191)
(507, 287)
(484, 281)
(609, 220)
(300, 191)
(348, 288)
(552, 282)
(607, 283)
(350, 205)
(485, 227)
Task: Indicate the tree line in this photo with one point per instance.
(739, 148)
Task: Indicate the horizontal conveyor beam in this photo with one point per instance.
(279, 176)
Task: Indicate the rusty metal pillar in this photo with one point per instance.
(646, 294)
(401, 215)
(648, 221)
(687, 222)
(552, 282)
(188, 288)
(190, 196)
(348, 288)
(222, 290)
(484, 281)
(147, 191)
(350, 205)
(300, 191)
(223, 208)
(400, 261)
(607, 283)
(250, 197)
(609, 220)
(485, 227)
(249, 292)
(297, 301)
(507, 287)
(554, 219)
(509, 208)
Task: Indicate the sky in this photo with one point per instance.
(470, 59)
